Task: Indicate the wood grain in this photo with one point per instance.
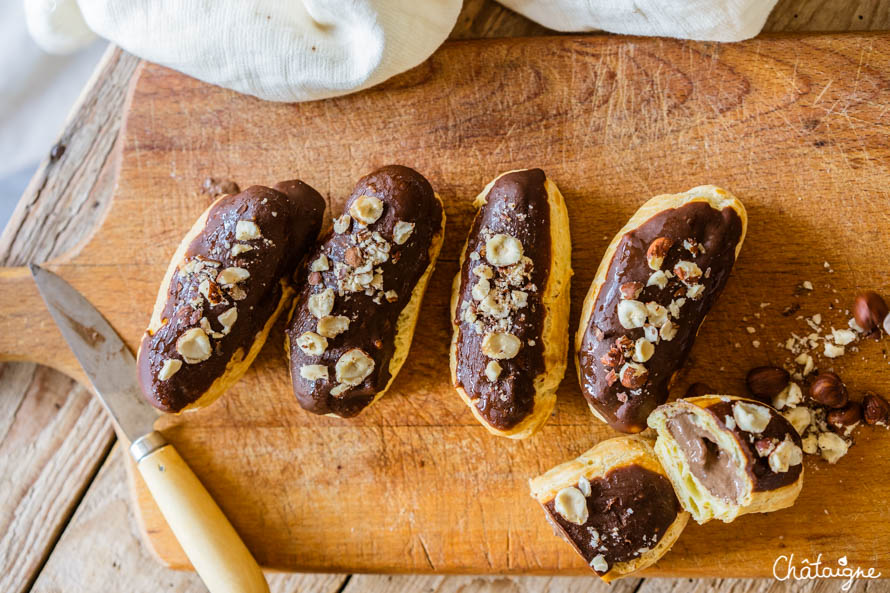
(95, 121)
(101, 550)
(613, 121)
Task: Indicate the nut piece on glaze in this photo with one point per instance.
(766, 382)
(829, 390)
(870, 311)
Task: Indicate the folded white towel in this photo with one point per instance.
(707, 20)
(299, 50)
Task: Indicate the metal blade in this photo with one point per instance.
(105, 358)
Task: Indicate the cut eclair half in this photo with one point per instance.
(727, 456)
(614, 504)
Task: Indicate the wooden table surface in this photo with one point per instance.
(66, 522)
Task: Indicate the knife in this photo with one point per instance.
(211, 543)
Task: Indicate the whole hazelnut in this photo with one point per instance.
(829, 390)
(875, 408)
(698, 389)
(843, 419)
(766, 382)
(870, 310)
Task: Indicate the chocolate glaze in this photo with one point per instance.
(288, 224)
(719, 232)
(630, 508)
(516, 205)
(407, 197)
(758, 467)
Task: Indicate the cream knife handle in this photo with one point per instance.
(211, 543)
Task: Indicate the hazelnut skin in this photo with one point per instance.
(766, 382)
(843, 418)
(870, 310)
(829, 390)
(875, 409)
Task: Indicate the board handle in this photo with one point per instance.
(211, 543)
(29, 333)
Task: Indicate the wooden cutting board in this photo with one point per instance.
(797, 127)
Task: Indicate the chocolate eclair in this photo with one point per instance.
(351, 325)
(728, 456)
(657, 281)
(510, 304)
(227, 283)
(614, 505)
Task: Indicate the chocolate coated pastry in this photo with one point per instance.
(351, 325)
(728, 456)
(658, 280)
(510, 304)
(227, 283)
(614, 504)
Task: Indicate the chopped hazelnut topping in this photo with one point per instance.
(688, 272)
(657, 251)
(584, 486)
(483, 271)
(633, 375)
(321, 264)
(354, 367)
(599, 563)
(572, 505)
(800, 418)
(169, 368)
(402, 231)
(366, 209)
(341, 224)
(246, 230)
(227, 318)
(643, 350)
(339, 390)
(668, 331)
(630, 290)
(500, 345)
(503, 250)
(786, 456)
(391, 296)
(675, 306)
(493, 370)
(331, 326)
(695, 291)
(210, 291)
(481, 289)
(658, 278)
(631, 314)
(232, 275)
(194, 346)
(657, 314)
(520, 298)
(650, 332)
(314, 372)
(312, 344)
(239, 248)
(751, 417)
(322, 303)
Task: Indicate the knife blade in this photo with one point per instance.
(211, 543)
(105, 358)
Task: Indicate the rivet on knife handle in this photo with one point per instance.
(211, 543)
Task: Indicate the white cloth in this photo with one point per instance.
(299, 50)
(280, 50)
(705, 20)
